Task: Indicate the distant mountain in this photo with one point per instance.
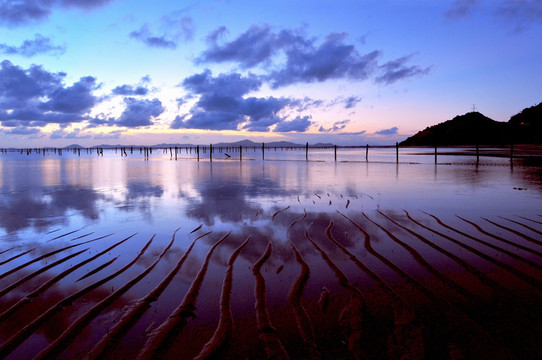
(323, 145)
(474, 128)
(249, 143)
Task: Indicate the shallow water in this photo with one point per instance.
(50, 202)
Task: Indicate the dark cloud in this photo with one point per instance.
(39, 45)
(348, 102)
(225, 85)
(130, 90)
(222, 104)
(174, 29)
(21, 12)
(139, 112)
(396, 70)
(18, 85)
(305, 59)
(299, 124)
(333, 59)
(460, 8)
(306, 62)
(253, 47)
(351, 101)
(134, 90)
(75, 99)
(35, 97)
(390, 131)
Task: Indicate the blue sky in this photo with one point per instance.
(345, 72)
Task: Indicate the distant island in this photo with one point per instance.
(236, 144)
(474, 128)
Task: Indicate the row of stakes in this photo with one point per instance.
(147, 151)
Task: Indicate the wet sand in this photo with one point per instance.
(344, 284)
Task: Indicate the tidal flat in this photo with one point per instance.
(129, 255)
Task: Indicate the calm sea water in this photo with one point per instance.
(50, 201)
(118, 194)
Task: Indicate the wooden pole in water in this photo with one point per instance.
(397, 152)
(307, 151)
(240, 152)
(367, 153)
(335, 147)
(435, 153)
(263, 151)
(511, 151)
(477, 154)
(211, 152)
(197, 151)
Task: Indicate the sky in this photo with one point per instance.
(345, 72)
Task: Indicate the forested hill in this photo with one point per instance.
(475, 128)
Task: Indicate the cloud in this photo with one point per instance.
(254, 46)
(222, 104)
(356, 133)
(22, 130)
(299, 124)
(130, 90)
(337, 126)
(139, 112)
(522, 14)
(134, 90)
(76, 99)
(460, 8)
(108, 136)
(396, 70)
(22, 12)
(183, 27)
(331, 60)
(29, 48)
(174, 28)
(144, 35)
(75, 134)
(351, 102)
(390, 131)
(295, 58)
(36, 97)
